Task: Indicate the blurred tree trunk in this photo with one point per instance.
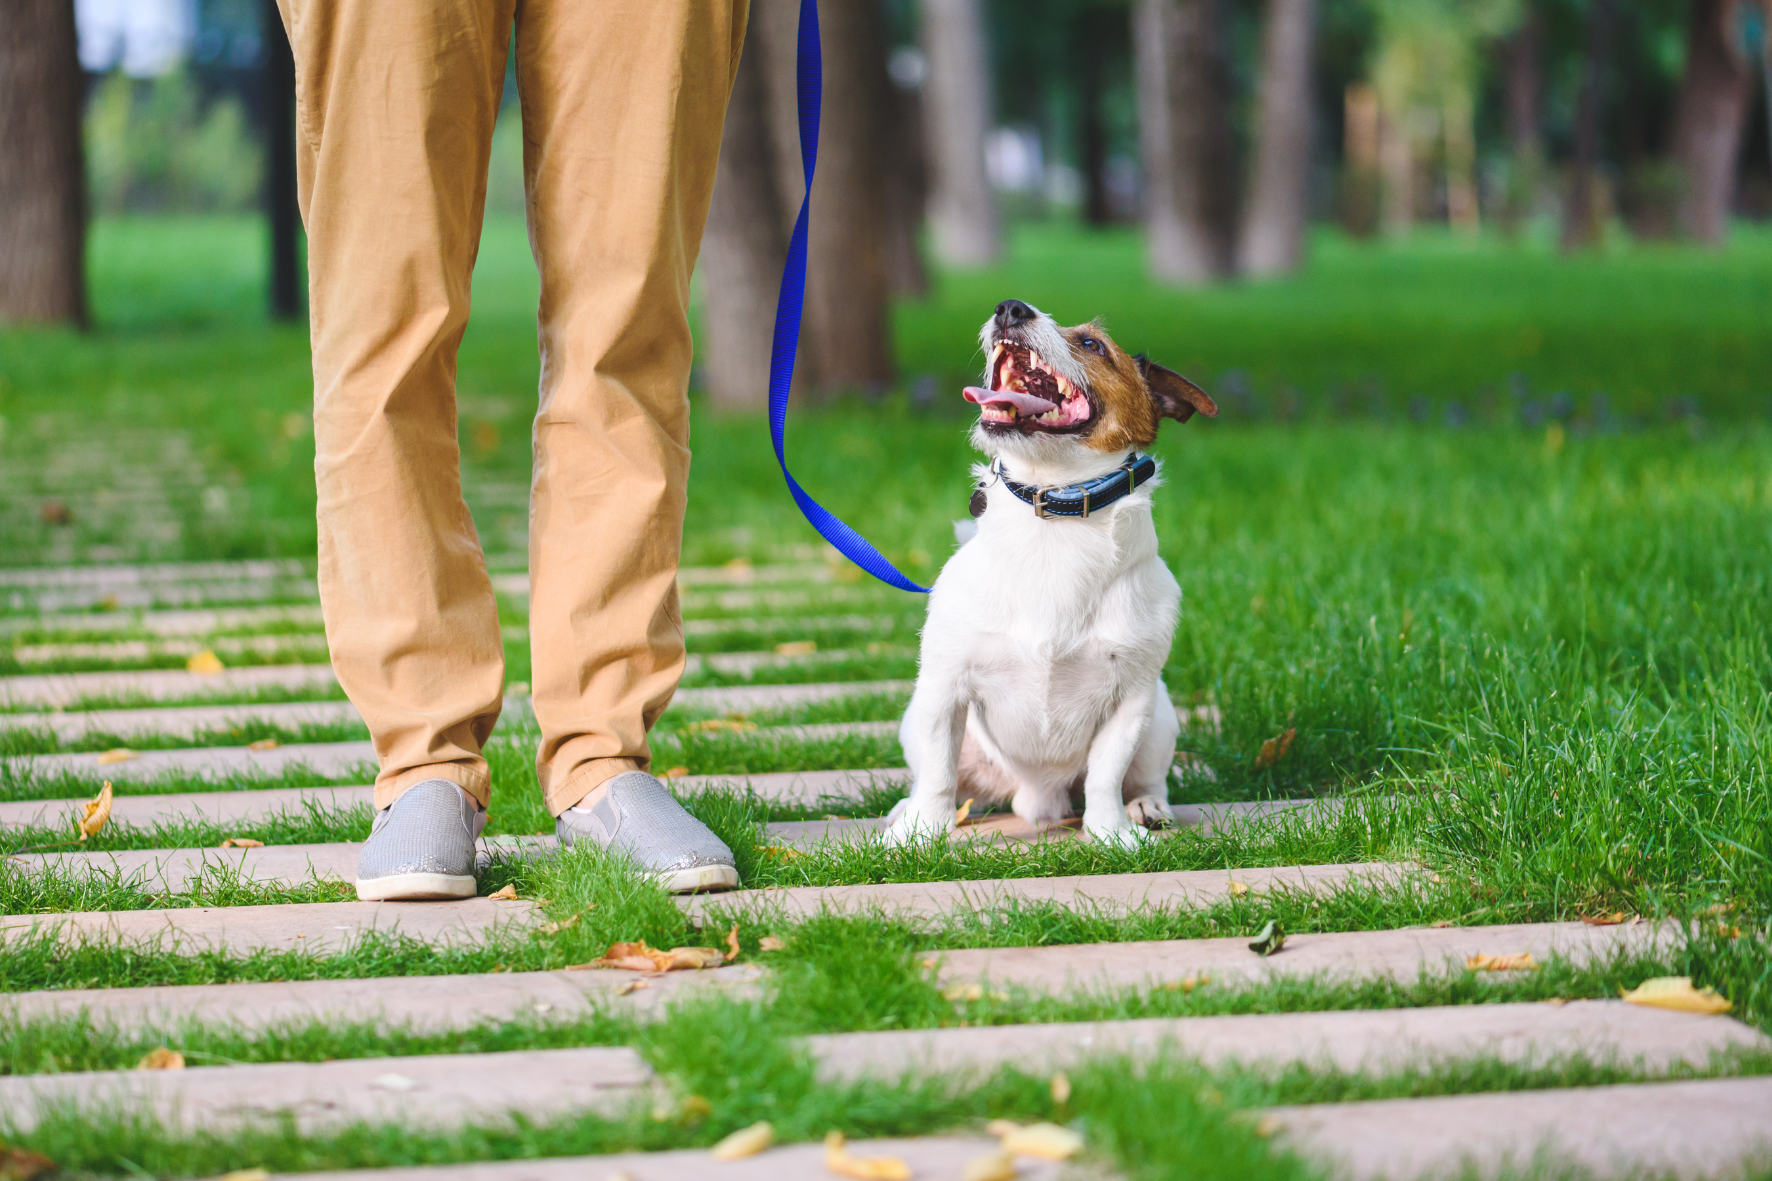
(743, 249)
(1581, 216)
(1523, 89)
(1184, 134)
(1708, 120)
(845, 341)
(956, 103)
(282, 209)
(1091, 47)
(1279, 204)
(42, 165)
(907, 190)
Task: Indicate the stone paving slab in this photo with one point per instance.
(425, 1004)
(930, 1158)
(1689, 1129)
(768, 735)
(59, 690)
(290, 648)
(738, 699)
(1401, 954)
(1356, 1040)
(777, 601)
(330, 760)
(427, 1092)
(1109, 893)
(702, 628)
(150, 596)
(1008, 826)
(152, 573)
(187, 622)
(305, 926)
(186, 722)
(807, 789)
(516, 583)
(749, 664)
(219, 807)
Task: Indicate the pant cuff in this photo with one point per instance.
(470, 778)
(586, 778)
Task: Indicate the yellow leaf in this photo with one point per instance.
(963, 992)
(736, 725)
(517, 689)
(1047, 1141)
(695, 1107)
(1185, 984)
(770, 943)
(780, 851)
(95, 812)
(838, 1160)
(1605, 920)
(245, 1175)
(1513, 961)
(675, 773)
(1061, 1088)
(796, 648)
(638, 957)
(1274, 749)
(242, 843)
(161, 1059)
(21, 1164)
(1676, 993)
(963, 811)
(206, 663)
(562, 925)
(264, 744)
(1267, 1126)
(993, 1166)
(630, 986)
(745, 1142)
(732, 944)
(506, 893)
(1237, 889)
(120, 754)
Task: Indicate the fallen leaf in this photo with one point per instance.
(631, 986)
(963, 992)
(1047, 1141)
(638, 957)
(245, 1175)
(736, 725)
(507, 893)
(121, 754)
(695, 1107)
(796, 648)
(555, 928)
(1269, 940)
(732, 944)
(1267, 1126)
(161, 1058)
(1500, 963)
(242, 843)
(1557, 1002)
(1185, 984)
(745, 1142)
(838, 1159)
(1728, 932)
(770, 943)
(21, 1164)
(517, 689)
(1061, 1088)
(993, 1166)
(1676, 993)
(1604, 920)
(1237, 889)
(1274, 749)
(1442, 924)
(206, 663)
(675, 772)
(780, 851)
(963, 811)
(95, 812)
(264, 744)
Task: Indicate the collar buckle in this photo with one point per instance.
(1040, 503)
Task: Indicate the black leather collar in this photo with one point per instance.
(1079, 500)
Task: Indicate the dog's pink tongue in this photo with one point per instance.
(1024, 403)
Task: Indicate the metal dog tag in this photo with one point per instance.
(977, 504)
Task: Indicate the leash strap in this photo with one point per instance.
(788, 308)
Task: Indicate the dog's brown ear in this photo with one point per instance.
(1175, 395)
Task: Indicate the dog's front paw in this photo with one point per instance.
(912, 820)
(1150, 812)
(1118, 831)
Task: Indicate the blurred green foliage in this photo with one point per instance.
(154, 145)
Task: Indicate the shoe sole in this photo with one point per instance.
(417, 887)
(700, 877)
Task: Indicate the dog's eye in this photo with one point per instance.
(1094, 346)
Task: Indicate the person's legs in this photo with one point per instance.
(623, 103)
(396, 105)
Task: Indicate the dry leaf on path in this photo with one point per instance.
(161, 1058)
(695, 1107)
(1269, 940)
(780, 851)
(745, 1142)
(264, 744)
(631, 986)
(95, 812)
(1268, 1125)
(119, 754)
(1500, 963)
(505, 893)
(21, 1164)
(206, 664)
(1047, 1141)
(1061, 1088)
(1274, 749)
(674, 773)
(732, 944)
(1604, 920)
(1186, 983)
(562, 925)
(1237, 889)
(1676, 993)
(962, 812)
(770, 943)
(963, 992)
(254, 1174)
(992, 1166)
(242, 843)
(734, 724)
(838, 1160)
(796, 648)
(638, 957)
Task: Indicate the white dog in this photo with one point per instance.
(1047, 631)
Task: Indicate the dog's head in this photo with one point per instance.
(1049, 389)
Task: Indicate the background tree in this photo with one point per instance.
(963, 222)
(1185, 136)
(1279, 199)
(42, 169)
(1581, 215)
(282, 210)
(1708, 120)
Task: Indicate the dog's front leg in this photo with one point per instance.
(933, 728)
(1111, 754)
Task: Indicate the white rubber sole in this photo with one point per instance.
(417, 887)
(701, 877)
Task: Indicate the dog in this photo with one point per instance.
(1039, 676)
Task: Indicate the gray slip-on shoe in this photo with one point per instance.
(639, 816)
(422, 846)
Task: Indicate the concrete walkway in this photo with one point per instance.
(328, 760)
(61, 690)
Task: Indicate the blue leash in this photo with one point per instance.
(851, 544)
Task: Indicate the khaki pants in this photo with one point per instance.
(623, 102)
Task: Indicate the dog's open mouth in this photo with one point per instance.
(1028, 394)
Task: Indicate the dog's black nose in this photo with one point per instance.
(1012, 311)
